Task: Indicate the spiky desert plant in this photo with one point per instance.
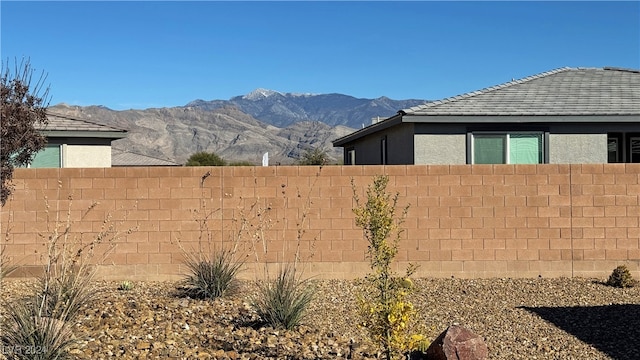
(282, 301)
(29, 336)
(210, 276)
(125, 285)
(41, 322)
(64, 295)
(211, 273)
(66, 284)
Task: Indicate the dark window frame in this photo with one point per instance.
(383, 150)
(488, 130)
(350, 159)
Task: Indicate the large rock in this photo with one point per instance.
(458, 343)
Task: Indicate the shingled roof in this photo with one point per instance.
(126, 158)
(62, 125)
(562, 95)
(564, 91)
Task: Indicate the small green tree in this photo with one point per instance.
(384, 309)
(204, 158)
(315, 156)
(241, 163)
(23, 107)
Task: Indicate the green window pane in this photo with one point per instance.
(49, 157)
(489, 149)
(525, 149)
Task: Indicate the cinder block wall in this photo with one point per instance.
(463, 220)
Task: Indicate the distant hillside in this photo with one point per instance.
(244, 127)
(176, 133)
(284, 109)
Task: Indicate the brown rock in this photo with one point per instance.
(458, 343)
(143, 345)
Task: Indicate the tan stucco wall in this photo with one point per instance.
(79, 156)
(463, 220)
(577, 148)
(440, 149)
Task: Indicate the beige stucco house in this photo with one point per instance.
(73, 143)
(567, 115)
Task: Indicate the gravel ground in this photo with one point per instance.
(518, 318)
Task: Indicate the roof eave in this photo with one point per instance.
(373, 128)
(482, 119)
(85, 134)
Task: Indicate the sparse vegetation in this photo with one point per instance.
(6, 266)
(211, 273)
(241, 163)
(125, 285)
(315, 156)
(42, 321)
(282, 300)
(621, 277)
(204, 158)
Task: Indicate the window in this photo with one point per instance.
(614, 143)
(623, 147)
(351, 157)
(383, 151)
(634, 149)
(49, 157)
(509, 148)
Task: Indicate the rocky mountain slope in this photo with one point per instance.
(284, 109)
(176, 133)
(244, 127)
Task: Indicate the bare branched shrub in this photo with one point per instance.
(250, 228)
(211, 272)
(282, 300)
(42, 321)
(6, 265)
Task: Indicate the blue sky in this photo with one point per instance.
(160, 54)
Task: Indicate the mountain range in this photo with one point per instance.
(243, 127)
(284, 109)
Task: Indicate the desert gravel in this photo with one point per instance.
(518, 318)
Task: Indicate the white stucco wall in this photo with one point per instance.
(577, 148)
(86, 156)
(439, 149)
